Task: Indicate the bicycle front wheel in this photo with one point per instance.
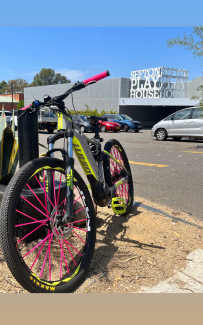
(43, 253)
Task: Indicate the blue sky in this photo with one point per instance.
(79, 52)
(101, 13)
(82, 38)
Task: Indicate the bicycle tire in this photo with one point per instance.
(115, 148)
(12, 228)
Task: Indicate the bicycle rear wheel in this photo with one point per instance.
(43, 253)
(114, 171)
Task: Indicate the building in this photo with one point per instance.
(9, 102)
(148, 96)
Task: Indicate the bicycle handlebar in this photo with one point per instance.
(96, 77)
(77, 86)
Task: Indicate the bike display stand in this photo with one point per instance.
(8, 150)
(27, 136)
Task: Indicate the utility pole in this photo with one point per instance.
(12, 93)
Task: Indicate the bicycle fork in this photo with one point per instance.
(69, 181)
(69, 167)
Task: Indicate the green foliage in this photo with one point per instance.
(3, 86)
(20, 104)
(193, 41)
(91, 112)
(16, 85)
(48, 77)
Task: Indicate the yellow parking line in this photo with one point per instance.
(200, 152)
(146, 164)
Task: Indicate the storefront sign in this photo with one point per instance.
(157, 83)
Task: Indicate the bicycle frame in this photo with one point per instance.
(92, 168)
(92, 165)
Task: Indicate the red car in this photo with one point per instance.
(109, 126)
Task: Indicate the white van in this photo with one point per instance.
(186, 122)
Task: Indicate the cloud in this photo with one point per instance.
(73, 75)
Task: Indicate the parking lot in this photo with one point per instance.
(168, 173)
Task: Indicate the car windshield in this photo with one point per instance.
(115, 117)
(126, 117)
(48, 114)
(75, 117)
(84, 118)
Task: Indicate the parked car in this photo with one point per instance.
(106, 125)
(186, 122)
(82, 122)
(8, 116)
(47, 120)
(125, 121)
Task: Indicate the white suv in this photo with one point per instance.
(186, 122)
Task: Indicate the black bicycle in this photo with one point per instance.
(47, 222)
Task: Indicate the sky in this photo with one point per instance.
(83, 38)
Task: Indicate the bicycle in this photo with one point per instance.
(47, 224)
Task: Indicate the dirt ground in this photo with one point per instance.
(131, 252)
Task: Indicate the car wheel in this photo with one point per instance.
(103, 128)
(82, 129)
(125, 128)
(161, 134)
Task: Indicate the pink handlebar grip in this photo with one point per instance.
(97, 77)
(24, 108)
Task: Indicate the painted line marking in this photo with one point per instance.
(146, 164)
(200, 152)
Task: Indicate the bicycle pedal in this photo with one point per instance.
(118, 205)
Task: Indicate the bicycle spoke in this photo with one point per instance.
(44, 191)
(85, 230)
(36, 208)
(29, 223)
(70, 253)
(78, 236)
(31, 232)
(53, 175)
(26, 215)
(35, 195)
(36, 246)
(59, 190)
(51, 250)
(37, 257)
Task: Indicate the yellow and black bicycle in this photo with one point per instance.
(47, 222)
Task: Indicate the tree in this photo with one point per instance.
(3, 87)
(48, 77)
(193, 41)
(17, 85)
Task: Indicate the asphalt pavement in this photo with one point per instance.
(169, 173)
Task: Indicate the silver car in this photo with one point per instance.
(186, 122)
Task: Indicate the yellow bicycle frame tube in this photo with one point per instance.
(84, 154)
